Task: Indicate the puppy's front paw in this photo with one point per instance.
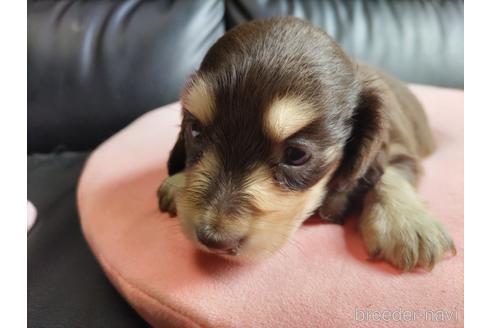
(167, 193)
(405, 237)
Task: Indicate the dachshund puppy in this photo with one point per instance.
(279, 123)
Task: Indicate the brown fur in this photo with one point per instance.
(269, 85)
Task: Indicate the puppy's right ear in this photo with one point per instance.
(177, 158)
(362, 162)
(362, 148)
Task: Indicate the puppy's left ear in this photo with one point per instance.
(362, 161)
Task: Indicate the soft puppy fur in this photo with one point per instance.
(278, 123)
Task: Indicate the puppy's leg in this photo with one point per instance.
(396, 226)
(167, 192)
(168, 189)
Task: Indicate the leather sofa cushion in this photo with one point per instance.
(416, 41)
(66, 287)
(94, 66)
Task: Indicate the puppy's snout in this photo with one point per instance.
(217, 243)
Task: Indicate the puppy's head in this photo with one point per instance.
(266, 120)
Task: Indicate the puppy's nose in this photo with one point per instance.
(213, 243)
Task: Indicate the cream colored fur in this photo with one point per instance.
(396, 226)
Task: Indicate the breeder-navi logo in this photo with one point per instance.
(405, 315)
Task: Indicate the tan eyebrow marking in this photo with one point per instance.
(199, 100)
(287, 116)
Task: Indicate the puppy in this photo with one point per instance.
(279, 123)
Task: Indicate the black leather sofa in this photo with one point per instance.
(94, 66)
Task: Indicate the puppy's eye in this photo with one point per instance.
(295, 156)
(196, 129)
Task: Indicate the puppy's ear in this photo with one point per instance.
(362, 161)
(177, 158)
(366, 139)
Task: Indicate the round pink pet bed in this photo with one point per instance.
(322, 278)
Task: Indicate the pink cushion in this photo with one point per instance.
(322, 278)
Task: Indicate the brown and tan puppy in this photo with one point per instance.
(278, 123)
